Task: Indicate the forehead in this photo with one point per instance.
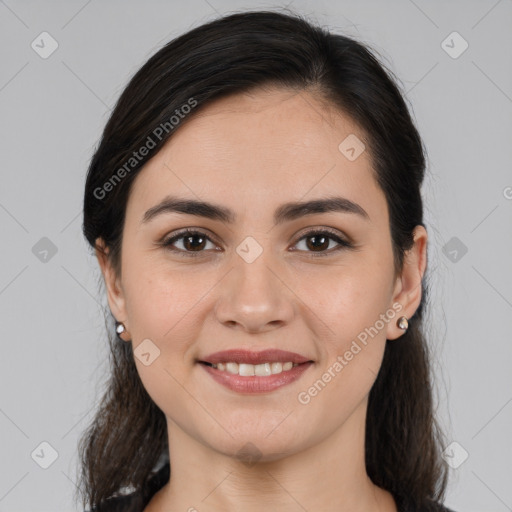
(260, 149)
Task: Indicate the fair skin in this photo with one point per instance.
(251, 153)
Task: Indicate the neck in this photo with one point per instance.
(329, 475)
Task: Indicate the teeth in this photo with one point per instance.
(260, 370)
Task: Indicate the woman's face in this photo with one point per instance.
(267, 277)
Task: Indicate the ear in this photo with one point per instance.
(115, 293)
(408, 289)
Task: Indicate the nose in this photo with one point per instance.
(254, 298)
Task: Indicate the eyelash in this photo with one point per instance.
(343, 244)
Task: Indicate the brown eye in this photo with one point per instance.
(318, 242)
(192, 242)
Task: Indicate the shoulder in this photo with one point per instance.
(437, 507)
(431, 507)
(137, 500)
(129, 503)
(405, 505)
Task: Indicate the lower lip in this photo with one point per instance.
(256, 384)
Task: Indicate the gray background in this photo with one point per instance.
(52, 113)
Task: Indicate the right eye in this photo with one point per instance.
(193, 242)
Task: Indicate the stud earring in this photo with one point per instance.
(120, 328)
(402, 323)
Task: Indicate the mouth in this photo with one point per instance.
(250, 370)
(255, 372)
(243, 356)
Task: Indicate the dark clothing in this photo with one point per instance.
(135, 502)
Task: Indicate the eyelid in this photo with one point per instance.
(344, 242)
(320, 230)
(168, 240)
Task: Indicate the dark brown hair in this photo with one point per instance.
(232, 54)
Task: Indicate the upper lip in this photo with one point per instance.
(250, 357)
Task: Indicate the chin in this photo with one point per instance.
(254, 446)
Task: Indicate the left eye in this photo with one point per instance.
(321, 239)
(194, 242)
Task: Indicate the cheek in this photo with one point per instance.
(157, 301)
(164, 311)
(352, 349)
(352, 344)
(347, 301)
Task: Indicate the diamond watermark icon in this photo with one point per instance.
(454, 249)
(44, 250)
(249, 454)
(44, 45)
(351, 147)
(454, 454)
(44, 455)
(249, 249)
(454, 45)
(146, 352)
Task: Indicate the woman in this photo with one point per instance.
(255, 208)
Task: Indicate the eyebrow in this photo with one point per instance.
(284, 213)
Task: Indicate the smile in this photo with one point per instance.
(249, 370)
(260, 378)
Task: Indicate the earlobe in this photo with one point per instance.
(408, 290)
(115, 295)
